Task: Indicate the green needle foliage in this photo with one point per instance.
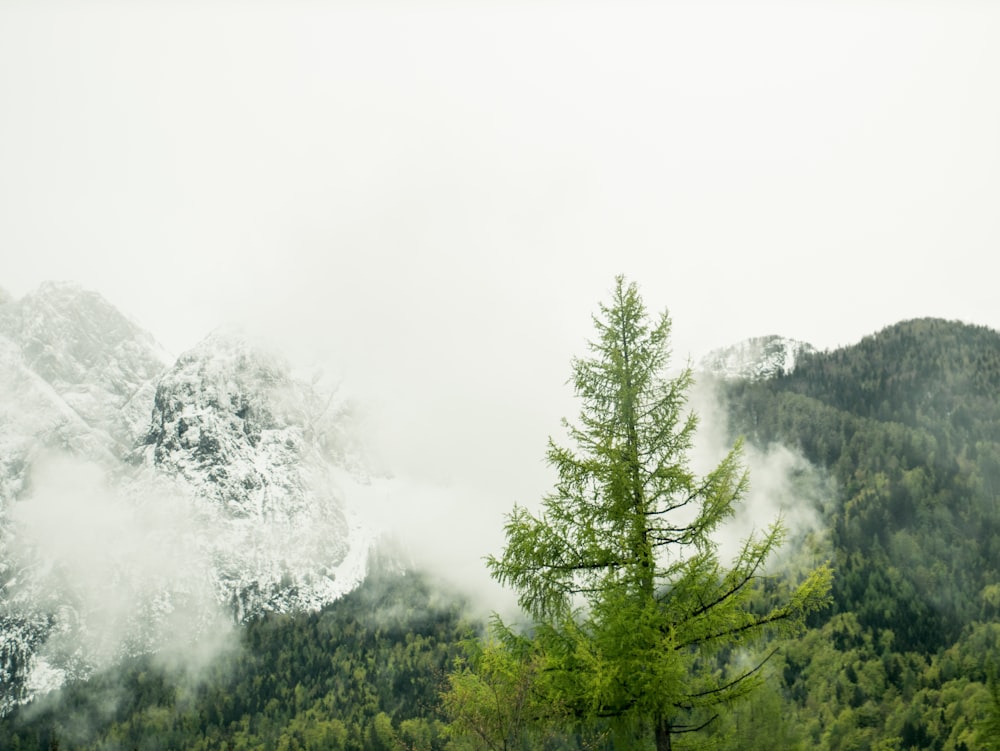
(632, 611)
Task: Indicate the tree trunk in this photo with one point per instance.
(663, 734)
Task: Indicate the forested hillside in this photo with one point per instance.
(909, 423)
(364, 673)
(906, 423)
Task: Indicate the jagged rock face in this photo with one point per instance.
(755, 359)
(228, 421)
(241, 434)
(75, 376)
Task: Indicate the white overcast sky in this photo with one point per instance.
(432, 197)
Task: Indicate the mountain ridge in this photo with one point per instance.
(250, 469)
(266, 471)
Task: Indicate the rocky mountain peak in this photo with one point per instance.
(756, 358)
(257, 448)
(69, 333)
(229, 419)
(100, 363)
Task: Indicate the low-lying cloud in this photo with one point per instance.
(784, 485)
(119, 565)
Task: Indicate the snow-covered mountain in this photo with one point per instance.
(261, 452)
(75, 377)
(101, 365)
(756, 358)
(139, 499)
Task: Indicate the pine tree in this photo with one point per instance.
(631, 609)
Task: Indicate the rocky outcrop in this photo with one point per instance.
(755, 359)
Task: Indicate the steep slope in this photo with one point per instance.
(908, 422)
(77, 378)
(101, 365)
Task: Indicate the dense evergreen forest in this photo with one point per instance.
(364, 673)
(907, 425)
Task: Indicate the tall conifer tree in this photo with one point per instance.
(619, 572)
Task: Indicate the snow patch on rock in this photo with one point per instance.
(755, 359)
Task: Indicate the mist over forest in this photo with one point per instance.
(880, 458)
(347, 433)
